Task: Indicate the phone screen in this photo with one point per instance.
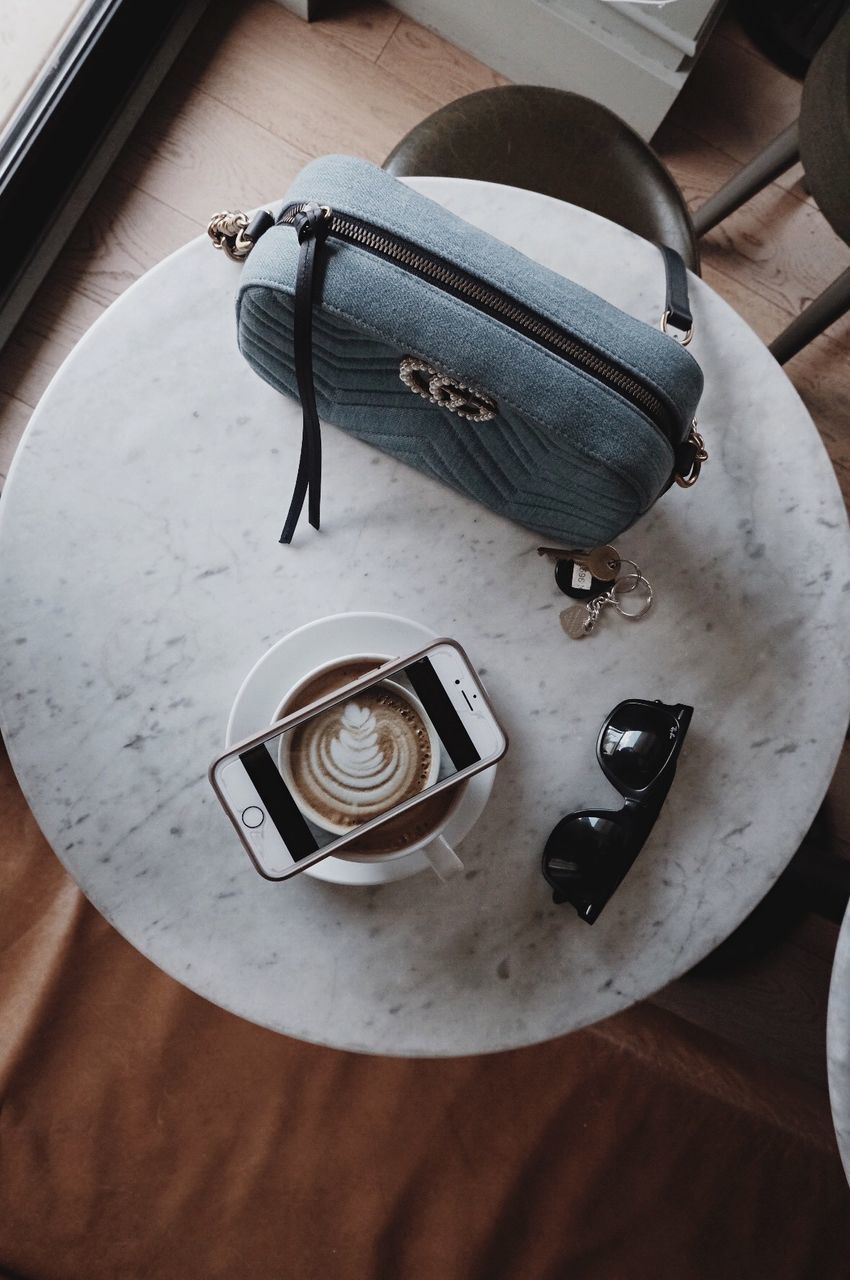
(359, 759)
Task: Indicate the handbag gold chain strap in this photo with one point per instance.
(227, 232)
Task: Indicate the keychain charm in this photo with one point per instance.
(579, 620)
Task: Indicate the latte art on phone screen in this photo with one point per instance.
(361, 757)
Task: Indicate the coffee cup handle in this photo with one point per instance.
(443, 859)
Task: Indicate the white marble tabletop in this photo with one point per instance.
(141, 577)
(838, 1043)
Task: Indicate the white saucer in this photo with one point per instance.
(290, 660)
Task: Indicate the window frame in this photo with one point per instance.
(61, 141)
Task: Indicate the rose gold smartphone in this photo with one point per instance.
(331, 773)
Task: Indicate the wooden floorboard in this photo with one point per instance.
(778, 244)
(125, 232)
(772, 1004)
(198, 156)
(420, 58)
(365, 29)
(308, 88)
(257, 92)
(736, 100)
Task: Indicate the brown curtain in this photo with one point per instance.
(146, 1133)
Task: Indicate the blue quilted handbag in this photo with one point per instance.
(397, 321)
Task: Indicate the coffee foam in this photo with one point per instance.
(360, 758)
(408, 828)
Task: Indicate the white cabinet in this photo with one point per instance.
(633, 57)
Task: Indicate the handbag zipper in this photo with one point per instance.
(493, 302)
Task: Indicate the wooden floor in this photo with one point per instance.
(258, 92)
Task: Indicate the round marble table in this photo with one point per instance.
(838, 1043)
(141, 578)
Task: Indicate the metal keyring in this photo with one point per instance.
(634, 577)
(645, 607)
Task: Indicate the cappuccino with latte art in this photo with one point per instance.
(361, 758)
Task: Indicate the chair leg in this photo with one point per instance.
(821, 880)
(775, 159)
(830, 306)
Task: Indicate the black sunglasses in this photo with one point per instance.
(588, 853)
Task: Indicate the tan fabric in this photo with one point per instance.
(145, 1133)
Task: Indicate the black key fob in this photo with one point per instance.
(576, 580)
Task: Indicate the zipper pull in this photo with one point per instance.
(312, 221)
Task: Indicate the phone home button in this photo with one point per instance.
(253, 816)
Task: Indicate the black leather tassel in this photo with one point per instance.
(311, 227)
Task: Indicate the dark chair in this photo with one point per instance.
(560, 144)
(820, 138)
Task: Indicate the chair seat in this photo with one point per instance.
(560, 144)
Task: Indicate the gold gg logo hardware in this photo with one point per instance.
(446, 390)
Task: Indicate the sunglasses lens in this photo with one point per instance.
(637, 743)
(578, 856)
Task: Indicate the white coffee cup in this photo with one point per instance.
(439, 853)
